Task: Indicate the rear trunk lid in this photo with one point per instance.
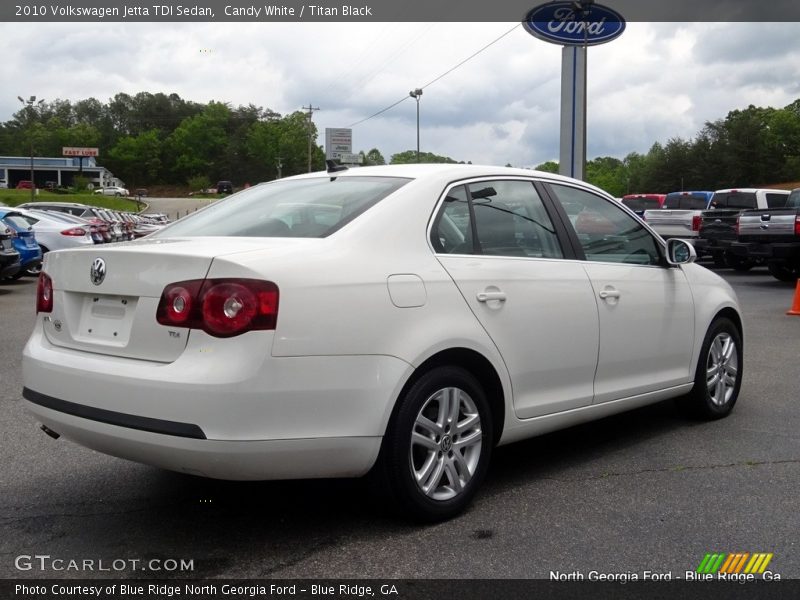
(105, 297)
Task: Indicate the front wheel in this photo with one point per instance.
(718, 377)
(437, 448)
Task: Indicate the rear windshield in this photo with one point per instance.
(794, 199)
(734, 200)
(686, 201)
(18, 221)
(288, 208)
(641, 203)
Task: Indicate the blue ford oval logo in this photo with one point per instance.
(574, 24)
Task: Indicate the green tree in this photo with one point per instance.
(409, 157)
(137, 159)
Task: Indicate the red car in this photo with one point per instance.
(25, 185)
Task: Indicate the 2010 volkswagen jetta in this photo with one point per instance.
(402, 320)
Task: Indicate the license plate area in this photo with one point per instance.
(106, 319)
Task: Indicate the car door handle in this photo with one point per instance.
(609, 294)
(487, 296)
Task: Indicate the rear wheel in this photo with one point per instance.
(782, 271)
(718, 377)
(437, 448)
(737, 263)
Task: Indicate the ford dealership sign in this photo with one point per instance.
(574, 23)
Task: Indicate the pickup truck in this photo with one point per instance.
(639, 203)
(680, 215)
(718, 223)
(772, 235)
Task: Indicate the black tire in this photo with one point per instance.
(737, 263)
(782, 271)
(718, 377)
(442, 457)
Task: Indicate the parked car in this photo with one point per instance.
(418, 316)
(639, 203)
(679, 217)
(224, 187)
(77, 209)
(24, 241)
(25, 185)
(9, 257)
(772, 235)
(718, 224)
(112, 190)
(94, 227)
(3, 184)
(55, 234)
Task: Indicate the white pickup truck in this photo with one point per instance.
(680, 215)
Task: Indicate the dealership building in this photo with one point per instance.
(55, 171)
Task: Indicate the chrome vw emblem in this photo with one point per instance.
(98, 271)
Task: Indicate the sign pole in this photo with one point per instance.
(572, 156)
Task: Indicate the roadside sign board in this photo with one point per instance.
(338, 142)
(75, 151)
(348, 158)
(574, 23)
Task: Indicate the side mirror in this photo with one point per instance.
(680, 252)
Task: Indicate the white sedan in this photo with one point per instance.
(112, 190)
(397, 320)
(55, 233)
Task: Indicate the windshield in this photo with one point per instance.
(686, 201)
(288, 208)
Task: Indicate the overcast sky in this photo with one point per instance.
(655, 82)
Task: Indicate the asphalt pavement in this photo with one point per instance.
(646, 490)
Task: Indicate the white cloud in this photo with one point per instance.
(655, 82)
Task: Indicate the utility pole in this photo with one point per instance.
(310, 110)
(416, 94)
(31, 110)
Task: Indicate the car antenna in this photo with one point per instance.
(333, 167)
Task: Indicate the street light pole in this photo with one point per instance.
(29, 104)
(416, 94)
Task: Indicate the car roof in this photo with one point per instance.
(445, 171)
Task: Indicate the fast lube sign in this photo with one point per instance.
(575, 26)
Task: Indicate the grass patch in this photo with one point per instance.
(17, 197)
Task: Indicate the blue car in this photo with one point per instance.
(30, 254)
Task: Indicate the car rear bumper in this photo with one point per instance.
(758, 250)
(252, 416)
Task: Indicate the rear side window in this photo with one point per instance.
(793, 200)
(777, 200)
(496, 218)
(288, 208)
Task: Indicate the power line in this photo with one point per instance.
(404, 98)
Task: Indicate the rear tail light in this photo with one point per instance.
(220, 307)
(44, 294)
(75, 232)
(696, 219)
(797, 225)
